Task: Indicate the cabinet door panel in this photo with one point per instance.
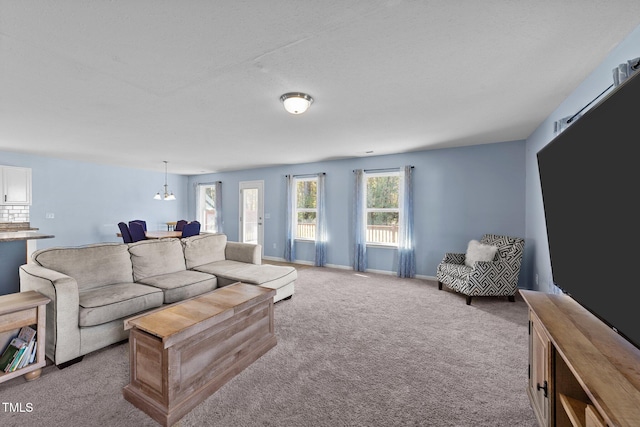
(16, 186)
(539, 382)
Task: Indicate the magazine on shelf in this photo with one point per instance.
(24, 360)
(10, 353)
(33, 353)
(27, 334)
(17, 359)
(19, 350)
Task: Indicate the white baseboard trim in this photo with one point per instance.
(347, 267)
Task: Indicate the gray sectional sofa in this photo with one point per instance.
(94, 288)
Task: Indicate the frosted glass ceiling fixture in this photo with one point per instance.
(296, 102)
(167, 195)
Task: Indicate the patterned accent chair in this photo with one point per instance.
(486, 278)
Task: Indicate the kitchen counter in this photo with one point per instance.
(16, 226)
(12, 236)
(15, 249)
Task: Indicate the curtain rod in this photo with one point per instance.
(592, 101)
(305, 175)
(208, 183)
(633, 67)
(383, 169)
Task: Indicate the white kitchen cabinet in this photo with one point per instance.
(15, 183)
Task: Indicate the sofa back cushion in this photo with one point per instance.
(155, 257)
(91, 266)
(204, 248)
(508, 247)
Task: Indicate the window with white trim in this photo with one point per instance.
(206, 206)
(383, 207)
(306, 207)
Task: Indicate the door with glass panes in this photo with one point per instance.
(251, 219)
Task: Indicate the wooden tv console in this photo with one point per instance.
(581, 372)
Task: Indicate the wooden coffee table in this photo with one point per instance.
(182, 353)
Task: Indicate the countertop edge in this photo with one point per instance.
(12, 236)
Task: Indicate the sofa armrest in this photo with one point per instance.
(244, 252)
(453, 258)
(62, 330)
(502, 274)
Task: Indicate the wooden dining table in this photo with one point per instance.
(159, 234)
(162, 234)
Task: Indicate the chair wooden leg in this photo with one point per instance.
(439, 285)
(468, 299)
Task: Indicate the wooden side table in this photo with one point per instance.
(18, 310)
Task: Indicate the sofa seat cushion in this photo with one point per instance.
(107, 303)
(268, 276)
(454, 275)
(458, 270)
(182, 284)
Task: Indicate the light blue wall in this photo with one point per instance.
(537, 262)
(88, 200)
(460, 194)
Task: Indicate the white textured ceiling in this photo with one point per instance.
(197, 83)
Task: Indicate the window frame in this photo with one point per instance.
(368, 210)
(201, 191)
(303, 210)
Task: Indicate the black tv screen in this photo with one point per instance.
(589, 176)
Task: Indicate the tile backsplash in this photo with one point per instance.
(14, 213)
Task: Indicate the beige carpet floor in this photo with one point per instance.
(353, 350)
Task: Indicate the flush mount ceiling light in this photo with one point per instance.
(167, 195)
(296, 102)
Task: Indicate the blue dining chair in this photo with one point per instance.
(191, 229)
(141, 221)
(137, 231)
(125, 233)
(180, 225)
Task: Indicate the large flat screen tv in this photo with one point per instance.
(590, 176)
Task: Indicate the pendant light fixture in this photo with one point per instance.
(296, 102)
(167, 195)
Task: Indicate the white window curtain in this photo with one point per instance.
(360, 222)
(321, 223)
(290, 209)
(406, 250)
